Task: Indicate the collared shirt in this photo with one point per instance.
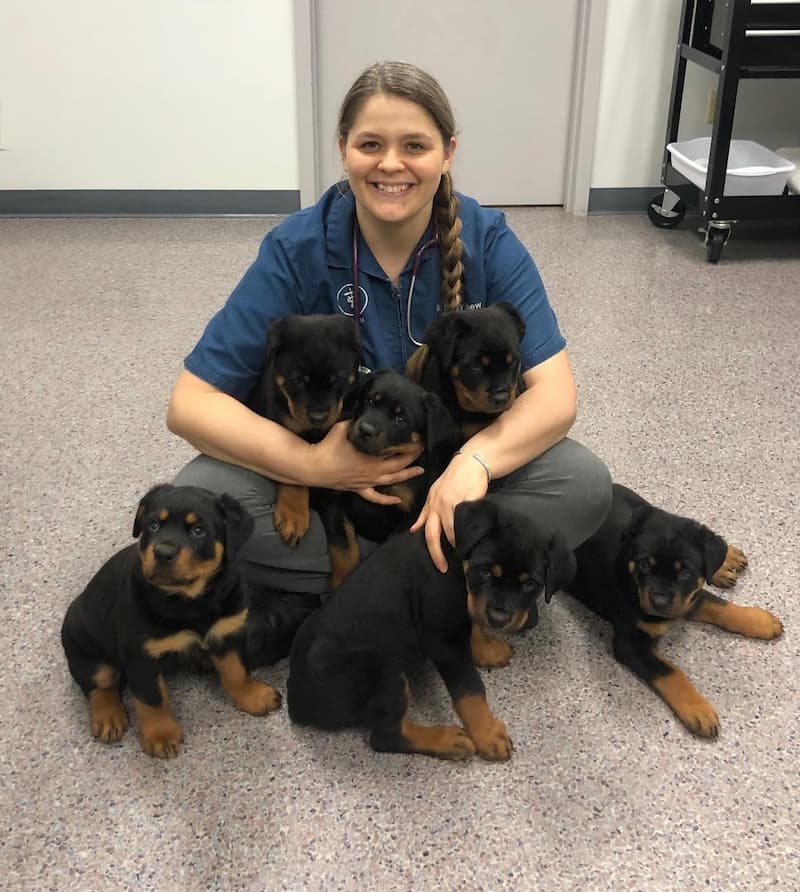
(304, 265)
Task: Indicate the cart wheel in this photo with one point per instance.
(665, 217)
(716, 239)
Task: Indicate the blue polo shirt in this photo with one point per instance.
(304, 265)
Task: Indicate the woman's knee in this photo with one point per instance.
(568, 488)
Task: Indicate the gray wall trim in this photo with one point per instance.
(632, 200)
(139, 202)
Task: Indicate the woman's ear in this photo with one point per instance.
(448, 154)
(342, 146)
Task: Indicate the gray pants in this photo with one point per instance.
(566, 488)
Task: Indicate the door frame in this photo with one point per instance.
(583, 115)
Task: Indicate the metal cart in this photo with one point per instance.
(735, 39)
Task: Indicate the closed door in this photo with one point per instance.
(507, 67)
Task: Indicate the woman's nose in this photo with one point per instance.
(391, 160)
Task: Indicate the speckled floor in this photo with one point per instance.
(688, 378)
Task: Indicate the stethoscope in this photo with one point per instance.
(414, 272)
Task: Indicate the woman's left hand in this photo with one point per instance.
(463, 481)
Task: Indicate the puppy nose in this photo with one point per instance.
(366, 430)
(497, 618)
(317, 416)
(500, 394)
(166, 552)
(660, 601)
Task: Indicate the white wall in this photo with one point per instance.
(200, 94)
(638, 61)
(156, 94)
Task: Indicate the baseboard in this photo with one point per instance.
(144, 202)
(621, 201)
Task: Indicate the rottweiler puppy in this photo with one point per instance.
(349, 662)
(309, 380)
(471, 358)
(645, 568)
(176, 590)
(392, 415)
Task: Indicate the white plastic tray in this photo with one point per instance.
(752, 169)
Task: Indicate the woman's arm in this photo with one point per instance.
(220, 426)
(539, 418)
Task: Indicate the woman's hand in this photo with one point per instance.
(463, 480)
(337, 464)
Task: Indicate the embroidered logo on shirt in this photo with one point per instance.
(344, 299)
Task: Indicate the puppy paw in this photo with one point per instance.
(759, 623)
(492, 653)
(493, 742)
(454, 744)
(257, 698)
(162, 739)
(108, 716)
(700, 718)
(734, 564)
(291, 527)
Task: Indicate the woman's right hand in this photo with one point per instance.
(337, 464)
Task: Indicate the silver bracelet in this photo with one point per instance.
(481, 461)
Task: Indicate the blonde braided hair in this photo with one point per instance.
(410, 82)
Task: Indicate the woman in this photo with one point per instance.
(418, 249)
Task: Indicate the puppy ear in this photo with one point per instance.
(145, 503)
(513, 314)
(471, 522)
(441, 430)
(239, 524)
(275, 338)
(441, 338)
(561, 566)
(715, 549)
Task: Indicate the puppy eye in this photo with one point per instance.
(154, 526)
(198, 531)
(400, 419)
(371, 401)
(484, 572)
(475, 366)
(644, 565)
(685, 574)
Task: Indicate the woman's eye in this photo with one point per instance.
(415, 147)
(154, 526)
(369, 146)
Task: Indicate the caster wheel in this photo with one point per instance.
(665, 217)
(716, 239)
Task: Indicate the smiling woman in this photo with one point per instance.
(392, 248)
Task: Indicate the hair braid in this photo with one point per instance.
(448, 225)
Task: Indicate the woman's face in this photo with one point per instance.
(394, 158)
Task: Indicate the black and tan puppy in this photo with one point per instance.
(646, 567)
(310, 376)
(176, 590)
(392, 416)
(471, 358)
(349, 662)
